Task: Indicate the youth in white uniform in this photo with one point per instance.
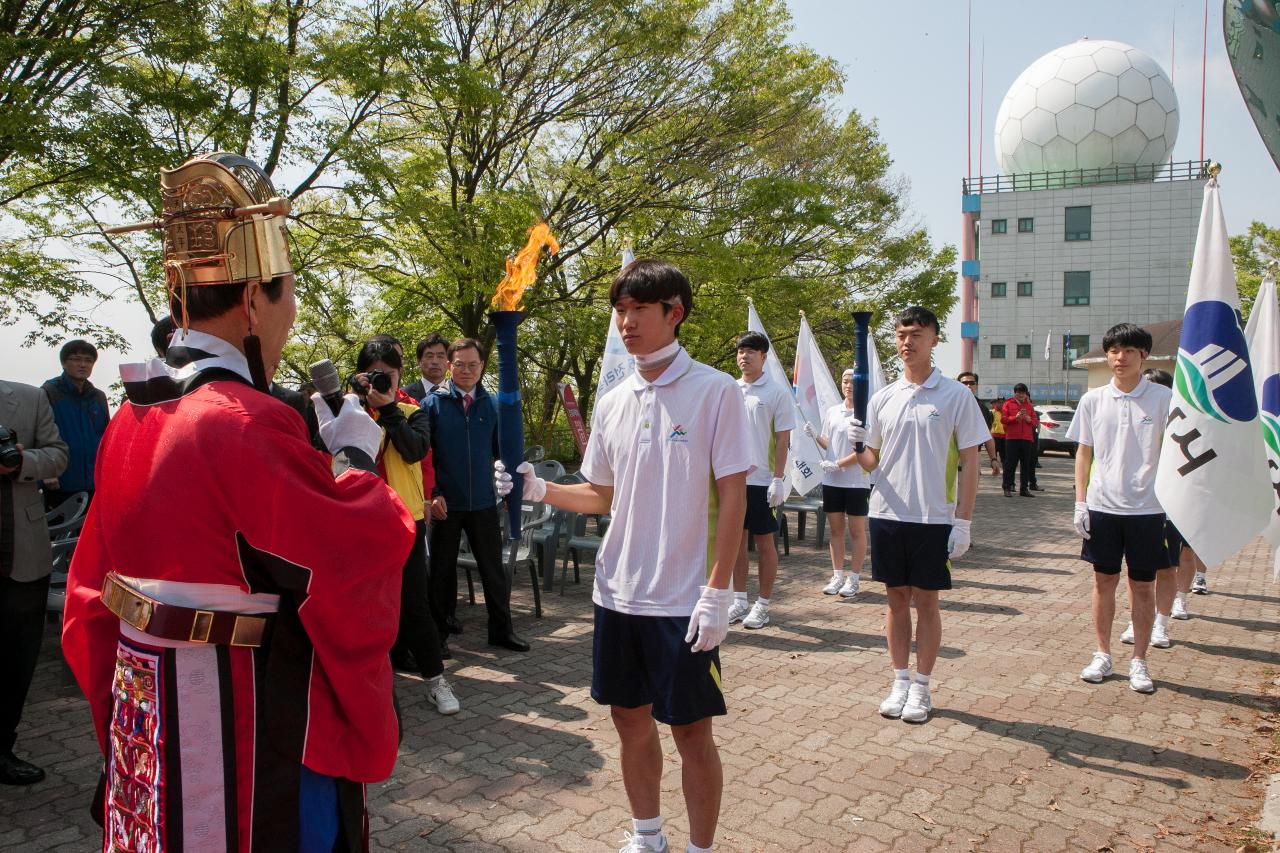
(660, 614)
(771, 414)
(915, 530)
(1118, 428)
(846, 493)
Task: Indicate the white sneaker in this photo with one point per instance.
(1179, 610)
(1127, 636)
(833, 585)
(919, 704)
(635, 843)
(1098, 669)
(439, 691)
(737, 610)
(758, 617)
(850, 588)
(1160, 635)
(1139, 678)
(892, 705)
(1200, 584)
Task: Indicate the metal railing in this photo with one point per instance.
(1190, 170)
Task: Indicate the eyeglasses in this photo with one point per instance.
(968, 382)
(467, 365)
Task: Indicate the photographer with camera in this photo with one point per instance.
(30, 450)
(406, 438)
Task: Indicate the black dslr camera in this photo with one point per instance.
(10, 455)
(378, 380)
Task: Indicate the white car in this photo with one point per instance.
(1054, 421)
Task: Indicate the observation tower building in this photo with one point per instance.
(1089, 223)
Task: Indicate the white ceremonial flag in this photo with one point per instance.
(1047, 338)
(815, 390)
(1263, 335)
(617, 363)
(804, 460)
(1213, 481)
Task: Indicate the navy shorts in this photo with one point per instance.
(846, 499)
(907, 553)
(1138, 540)
(1173, 542)
(760, 518)
(644, 660)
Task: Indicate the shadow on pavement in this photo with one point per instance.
(999, 587)
(1260, 655)
(1248, 596)
(1230, 697)
(1262, 625)
(1075, 748)
(820, 639)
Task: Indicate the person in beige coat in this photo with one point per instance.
(25, 559)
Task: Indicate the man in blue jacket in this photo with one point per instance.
(464, 444)
(80, 411)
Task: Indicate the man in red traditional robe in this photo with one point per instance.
(231, 606)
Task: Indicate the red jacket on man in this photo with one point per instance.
(1014, 429)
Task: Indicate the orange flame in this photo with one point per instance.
(522, 270)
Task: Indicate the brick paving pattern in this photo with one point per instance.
(1019, 755)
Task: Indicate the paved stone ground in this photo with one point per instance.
(1020, 754)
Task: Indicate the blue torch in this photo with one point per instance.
(861, 368)
(510, 417)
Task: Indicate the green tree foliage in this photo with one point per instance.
(420, 139)
(1251, 252)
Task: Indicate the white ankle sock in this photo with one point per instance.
(902, 675)
(923, 679)
(837, 573)
(649, 829)
(1181, 596)
(739, 597)
(1162, 621)
(763, 602)
(693, 848)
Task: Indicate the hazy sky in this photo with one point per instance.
(905, 64)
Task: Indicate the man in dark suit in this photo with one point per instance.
(26, 558)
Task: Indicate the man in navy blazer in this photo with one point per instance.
(464, 444)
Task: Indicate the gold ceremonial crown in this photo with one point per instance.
(223, 223)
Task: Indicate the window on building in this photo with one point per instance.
(1024, 350)
(1075, 288)
(1026, 224)
(1073, 346)
(1079, 223)
(999, 226)
(997, 350)
(1025, 288)
(999, 289)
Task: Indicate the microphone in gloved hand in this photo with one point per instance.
(325, 379)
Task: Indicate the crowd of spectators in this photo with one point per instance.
(439, 445)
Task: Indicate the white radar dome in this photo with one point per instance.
(1087, 105)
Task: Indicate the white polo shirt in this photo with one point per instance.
(835, 429)
(1124, 431)
(661, 445)
(912, 426)
(770, 409)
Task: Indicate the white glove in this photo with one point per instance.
(829, 467)
(777, 494)
(1081, 519)
(351, 427)
(958, 541)
(857, 433)
(710, 619)
(808, 429)
(535, 488)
